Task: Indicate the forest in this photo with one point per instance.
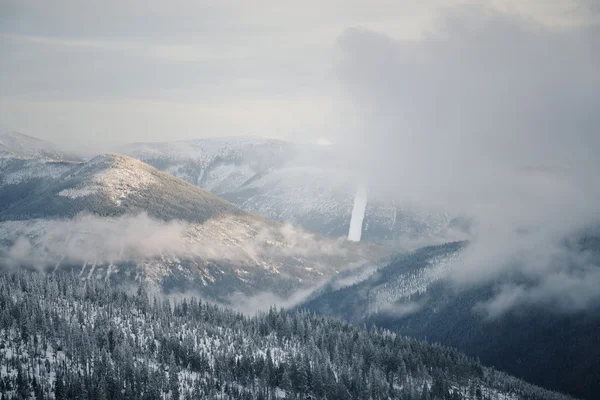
(64, 337)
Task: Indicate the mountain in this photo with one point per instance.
(299, 184)
(109, 185)
(27, 166)
(28, 147)
(115, 217)
(65, 338)
(363, 293)
(413, 296)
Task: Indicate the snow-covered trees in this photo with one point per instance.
(62, 337)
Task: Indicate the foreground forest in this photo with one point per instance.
(63, 337)
(415, 295)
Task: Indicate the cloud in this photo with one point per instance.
(486, 90)
(88, 238)
(592, 6)
(174, 52)
(229, 54)
(265, 300)
(492, 116)
(401, 310)
(247, 248)
(237, 240)
(562, 292)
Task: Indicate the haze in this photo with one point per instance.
(98, 75)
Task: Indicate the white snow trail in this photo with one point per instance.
(358, 214)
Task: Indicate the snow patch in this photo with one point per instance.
(226, 177)
(77, 193)
(120, 182)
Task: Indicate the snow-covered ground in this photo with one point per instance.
(28, 147)
(122, 176)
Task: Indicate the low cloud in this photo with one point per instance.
(265, 300)
(400, 310)
(563, 292)
(89, 237)
(244, 246)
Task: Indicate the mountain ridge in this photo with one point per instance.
(299, 184)
(87, 216)
(25, 146)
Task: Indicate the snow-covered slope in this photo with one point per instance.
(116, 214)
(192, 160)
(415, 295)
(216, 259)
(286, 182)
(64, 338)
(109, 185)
(23, 146)
(391, 288)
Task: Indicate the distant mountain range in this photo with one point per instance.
(24, 146)
(299, 184)
(286, 182)
(97, 216)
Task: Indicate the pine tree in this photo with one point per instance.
(59, 388)
(174, 382)
(286, 382)
(105, 348)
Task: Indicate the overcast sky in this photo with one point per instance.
(114, 71)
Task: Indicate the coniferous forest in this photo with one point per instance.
(62, 337)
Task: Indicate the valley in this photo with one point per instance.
(117, 223)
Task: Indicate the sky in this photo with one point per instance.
(99, 74)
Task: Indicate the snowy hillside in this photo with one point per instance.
(192, 159)
(391, 288)
(115, 217)
(63, 338)
(414, 295)
(109, 185)
(23, 146)
(286, 182)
